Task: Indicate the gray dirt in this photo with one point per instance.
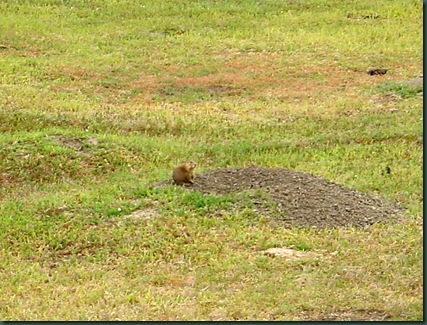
(298, 199)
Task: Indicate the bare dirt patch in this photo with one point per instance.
(79, 145)
(138, 215)
(289, 254)
(297, 199)
(415, 82)
(258, 75)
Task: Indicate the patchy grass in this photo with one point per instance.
(113, 94)
(404, 90)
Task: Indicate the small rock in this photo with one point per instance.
(289, 254)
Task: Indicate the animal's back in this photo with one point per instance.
(184, 173)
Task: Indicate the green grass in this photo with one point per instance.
(113, 94)
(403, 90)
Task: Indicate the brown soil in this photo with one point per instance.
(298, 199)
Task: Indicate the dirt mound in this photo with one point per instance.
(296, 198)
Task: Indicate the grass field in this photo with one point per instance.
(99, 99)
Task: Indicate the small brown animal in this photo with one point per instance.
(184, 173)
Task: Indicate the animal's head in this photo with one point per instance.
(191, 164)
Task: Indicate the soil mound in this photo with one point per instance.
(298, 199)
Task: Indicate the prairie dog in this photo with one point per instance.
(184, 173)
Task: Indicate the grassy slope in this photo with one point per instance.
(114, 93)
